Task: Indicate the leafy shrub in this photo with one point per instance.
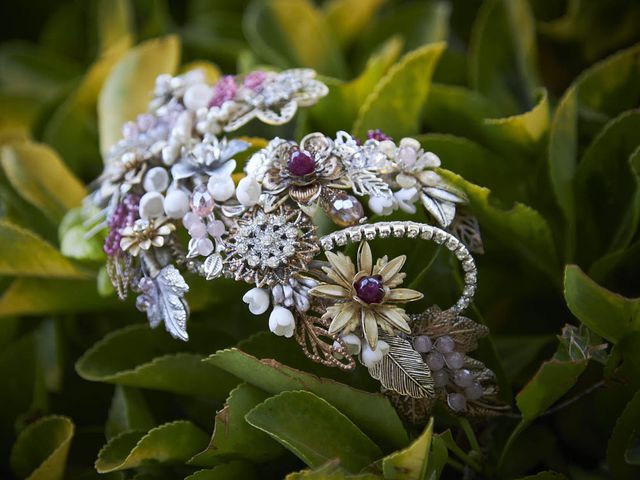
(533, 104)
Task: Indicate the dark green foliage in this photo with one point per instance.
(532, 107)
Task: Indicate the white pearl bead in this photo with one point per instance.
(248, 191)
(198, 230)
(176, 204)
(257, 299)
(370, 357)
(198, 96)
(205, 246)
(156, 180)
(189, 219)
(411, 143)
(381, 205)
(216, 228)
(151, 205)
(222, 189)
(353, 343)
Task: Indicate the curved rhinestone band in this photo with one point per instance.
(409, 229)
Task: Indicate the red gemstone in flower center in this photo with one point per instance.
(301, 164)
(370, 289)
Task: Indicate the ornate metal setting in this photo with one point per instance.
(173, 206)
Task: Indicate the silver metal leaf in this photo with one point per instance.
(365, 182)
(467, 229)
(442, 211)
(212, 266)
(402, 370)
(167, 304)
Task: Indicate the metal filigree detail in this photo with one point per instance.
(467, 229)
(319, 345)
(267, 249)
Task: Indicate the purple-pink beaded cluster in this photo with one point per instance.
(125, 214)
(227, 88)
(378, 135)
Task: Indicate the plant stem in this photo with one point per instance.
(455, 464)
(471, 435)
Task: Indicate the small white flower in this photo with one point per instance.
(382, 205)
(370, 357)
(406, 199)
(248, 191)
(282, 322)
(221, 188)
(258, 301)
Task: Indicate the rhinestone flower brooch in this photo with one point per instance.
(171, 202)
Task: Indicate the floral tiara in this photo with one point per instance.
(171, 206)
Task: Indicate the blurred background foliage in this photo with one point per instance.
(533, 105)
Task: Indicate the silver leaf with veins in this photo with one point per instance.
(167, 304)
(402, 370)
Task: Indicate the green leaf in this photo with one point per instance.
(347, 18)
(339, 109)
(371, 412)
(521, 228)
(173, 442)
(552, 380)
(523, 132)
(549, 475)
(622, 436)
(114, 25)
(280, 31)
(412, 462)
(72, 129)
(72, 234)
(23, 253)
(128, 411)
(49, 341)
(314, 430)
(39, 175)
(396, 103)
(233, 437)
(503, 55)
(330, 471)
(607, 192)
(40, 453)
(129, 86)
(228, 471)
(605, 89)
(38, 296)
(608, 314)
(137, 356)
(437, 458)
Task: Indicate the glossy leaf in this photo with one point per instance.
(227, 471)
(395, 105)
(23, 253)
(280, 31)
(72, 233)
(521, 227)
(314, 430)
(129, 411)
(128, 88)
(610, 315)
(371, 412)
(348, 17)
(40, 453)
(621, 438)
(412, 462)
(552, 380)
(169, 443)
(137, 356)
(38, 174)
(503, 54)
(233, 437)
(605, 89)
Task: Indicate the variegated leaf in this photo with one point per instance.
(402, 370)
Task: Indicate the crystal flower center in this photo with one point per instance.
(301, 164)
(370, 289)
(267, 244)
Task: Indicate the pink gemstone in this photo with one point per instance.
(255, 79)
(223, 91)
(301, 164)
(345, 209)
(370, 289)
(201, 201)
